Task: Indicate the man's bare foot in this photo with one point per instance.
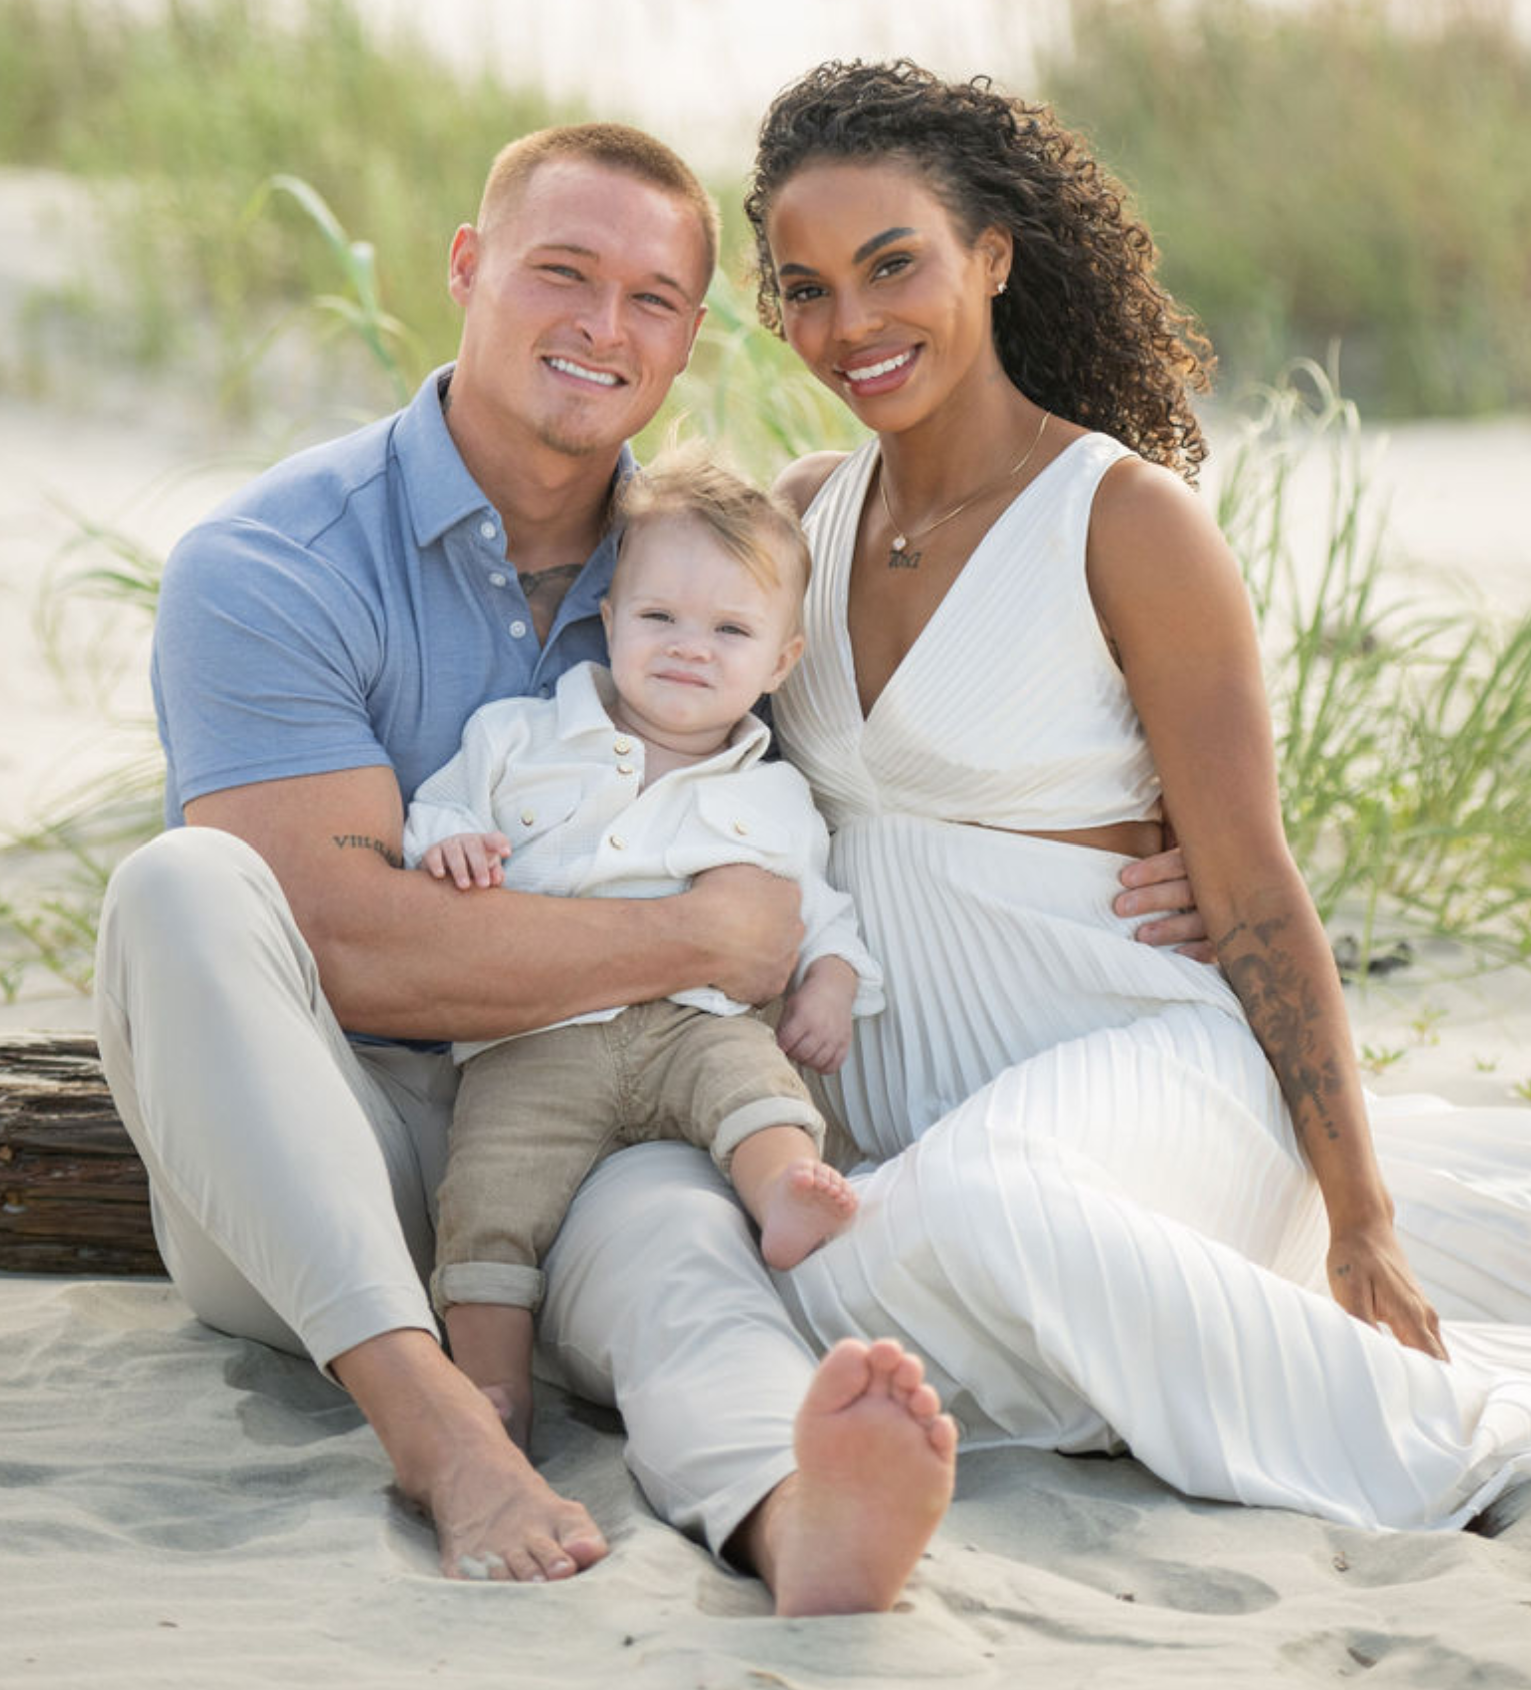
(495, 1516)
(806, 1205)
(876, 1462)
(511, 1399)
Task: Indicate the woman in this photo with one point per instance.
(1115, 1181)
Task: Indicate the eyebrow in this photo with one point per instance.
(864, 251)
(590, 252)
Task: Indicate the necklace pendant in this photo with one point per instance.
(899, 542)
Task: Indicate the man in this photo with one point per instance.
(321, 641)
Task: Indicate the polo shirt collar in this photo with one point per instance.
(440, 490)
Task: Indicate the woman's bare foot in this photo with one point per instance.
(805, 1206)
(495, 1516)
(876, 1462)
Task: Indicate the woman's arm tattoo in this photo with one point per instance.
(1286, 1017)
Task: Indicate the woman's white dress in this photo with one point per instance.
(1090, 1213)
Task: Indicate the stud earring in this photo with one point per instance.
(1001, 288)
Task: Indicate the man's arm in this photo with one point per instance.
(403, 954)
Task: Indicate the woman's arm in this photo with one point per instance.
(1170, 598)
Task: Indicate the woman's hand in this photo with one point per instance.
(1159, 886)
(1372, 1280)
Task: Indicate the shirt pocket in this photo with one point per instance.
(538, 812)
(723, 829)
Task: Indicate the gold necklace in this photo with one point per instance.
(899, 555)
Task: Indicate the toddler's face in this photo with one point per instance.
(695, 639)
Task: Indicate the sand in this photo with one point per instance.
(182, 1508)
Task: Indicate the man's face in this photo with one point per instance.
(580, 304)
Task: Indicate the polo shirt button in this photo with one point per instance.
(497, 580)
(518, 629)
(528, 817)
(488, 530)
(622, 747)
(741, 829)
(624, 768)
(617, 842)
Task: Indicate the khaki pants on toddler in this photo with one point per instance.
(535, 1114)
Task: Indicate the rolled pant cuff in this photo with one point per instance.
(756, 1117)
(508, 1283)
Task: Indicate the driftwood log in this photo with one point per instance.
(74, 1197)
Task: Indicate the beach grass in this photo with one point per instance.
(1403, 732)
(1345, 169)
(182, 119)
(1341, 170)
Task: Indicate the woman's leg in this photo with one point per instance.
(1095, 1246)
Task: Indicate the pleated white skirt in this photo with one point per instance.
(1112, 1236)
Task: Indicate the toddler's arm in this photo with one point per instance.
(815, 1026)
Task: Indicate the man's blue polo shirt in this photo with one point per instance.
(350, 608)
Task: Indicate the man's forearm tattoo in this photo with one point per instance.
(1285, 1016)
(365, 842)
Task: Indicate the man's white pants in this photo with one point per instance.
(293, 1174)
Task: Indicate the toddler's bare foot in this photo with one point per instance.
(805, 1206)
(876, 1462)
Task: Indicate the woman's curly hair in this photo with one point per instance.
(1083, 328)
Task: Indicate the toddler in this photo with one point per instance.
(626, 783)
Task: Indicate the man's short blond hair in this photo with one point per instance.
(756, 528)
(614, 145)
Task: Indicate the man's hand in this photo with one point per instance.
(1372, 1280)
(1159, 884)
(751, 923)
(468, 859)
(815, 1025)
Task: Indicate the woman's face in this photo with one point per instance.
(881, 296)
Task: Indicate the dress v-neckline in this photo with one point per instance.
(842, 580)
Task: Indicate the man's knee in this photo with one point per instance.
(653, 1225)
(189, 888)
(656, 1200)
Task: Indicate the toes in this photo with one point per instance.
(476, 1569)
(923, 1403)
(582, 1543)
(885, 1361)
(942, 1432)
(840, 1378)
(524, 1567)
(553, 1560)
